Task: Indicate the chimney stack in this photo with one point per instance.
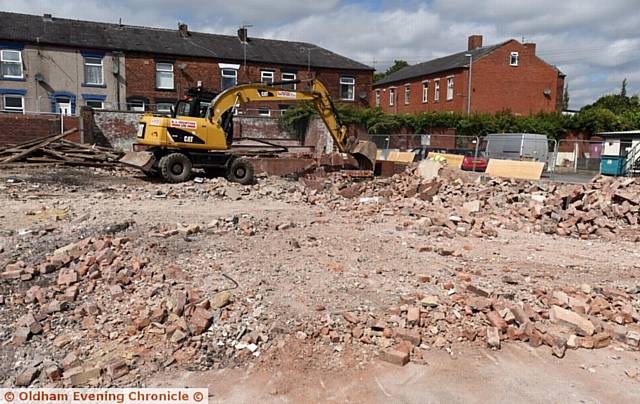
(242, 34)
(184, 30)
(47, 17)
(531, 47)
(475, 42)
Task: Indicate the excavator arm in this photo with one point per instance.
(363, 151)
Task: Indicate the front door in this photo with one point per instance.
(64, 105)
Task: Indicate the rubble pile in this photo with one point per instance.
(571, 318)
(449, 206)
(105, 314)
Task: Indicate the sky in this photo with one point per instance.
(596, 43)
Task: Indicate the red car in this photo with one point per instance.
(471, 163)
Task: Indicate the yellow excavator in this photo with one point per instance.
(199, 134)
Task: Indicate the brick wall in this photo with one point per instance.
(497, 86)
(141, 77)
(19, 128)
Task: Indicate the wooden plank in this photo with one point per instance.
(453, 160)
(522, 170)
(35, 147)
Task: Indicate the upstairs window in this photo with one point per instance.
(425, 91)
(93, 71)
(392, 96)
(13, 103)
(164, 76)
(11, 61)
(449, 88)
(407, 94)
(229, 78)
(289, 77)
(347, 88)
(377, 98)
(514, 59)
(266, 77)
(436, 90)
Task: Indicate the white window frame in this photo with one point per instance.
(225, 72)
(164, 110)
(425, 91)
(94, 64)
(392, 96)
(450, 88)
(291, 77)
(136, 105)
(165, 70)
(514, 59)
(264, 112)
(407, 94)
(377, 95)
(436, 90)
(348, 81)
(3, 60)
(267, 76)
(94, 101)
(12, 109)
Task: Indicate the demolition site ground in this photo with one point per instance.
(322, 289)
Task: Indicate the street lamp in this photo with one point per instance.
(470, 56)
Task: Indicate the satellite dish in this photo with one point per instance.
(547, 91)
(363, 95)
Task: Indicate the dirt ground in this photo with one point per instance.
(307, 261)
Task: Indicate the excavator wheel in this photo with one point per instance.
(241, 171)
(175, 167)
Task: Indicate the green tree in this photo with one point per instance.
(623, 88)
(397, 65)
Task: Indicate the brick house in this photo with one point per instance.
(505, 76)
(56, 64)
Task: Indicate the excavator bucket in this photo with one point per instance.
(138, 159)
(365, 154)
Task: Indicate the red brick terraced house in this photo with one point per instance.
(58, 65)
(505, 76)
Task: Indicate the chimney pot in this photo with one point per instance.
(184, 30)
(475, 42)
(242, 34)
(47, 17)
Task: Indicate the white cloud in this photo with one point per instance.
(596, 43)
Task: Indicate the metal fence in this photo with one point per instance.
(475, 146)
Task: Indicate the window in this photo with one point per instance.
(164, 108)
(136, 105)
(11, 61)
(289, 77)
(514, 59)
(449, 88)
(436, 90)
(407, 94)
(266, 77)
(229, 78)
(425, 91)
(264, 112)
(13, 103)
(93, 71)
(95, 104)
(164, 76)
(347, 88)
(392, 96)
(377, 98)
